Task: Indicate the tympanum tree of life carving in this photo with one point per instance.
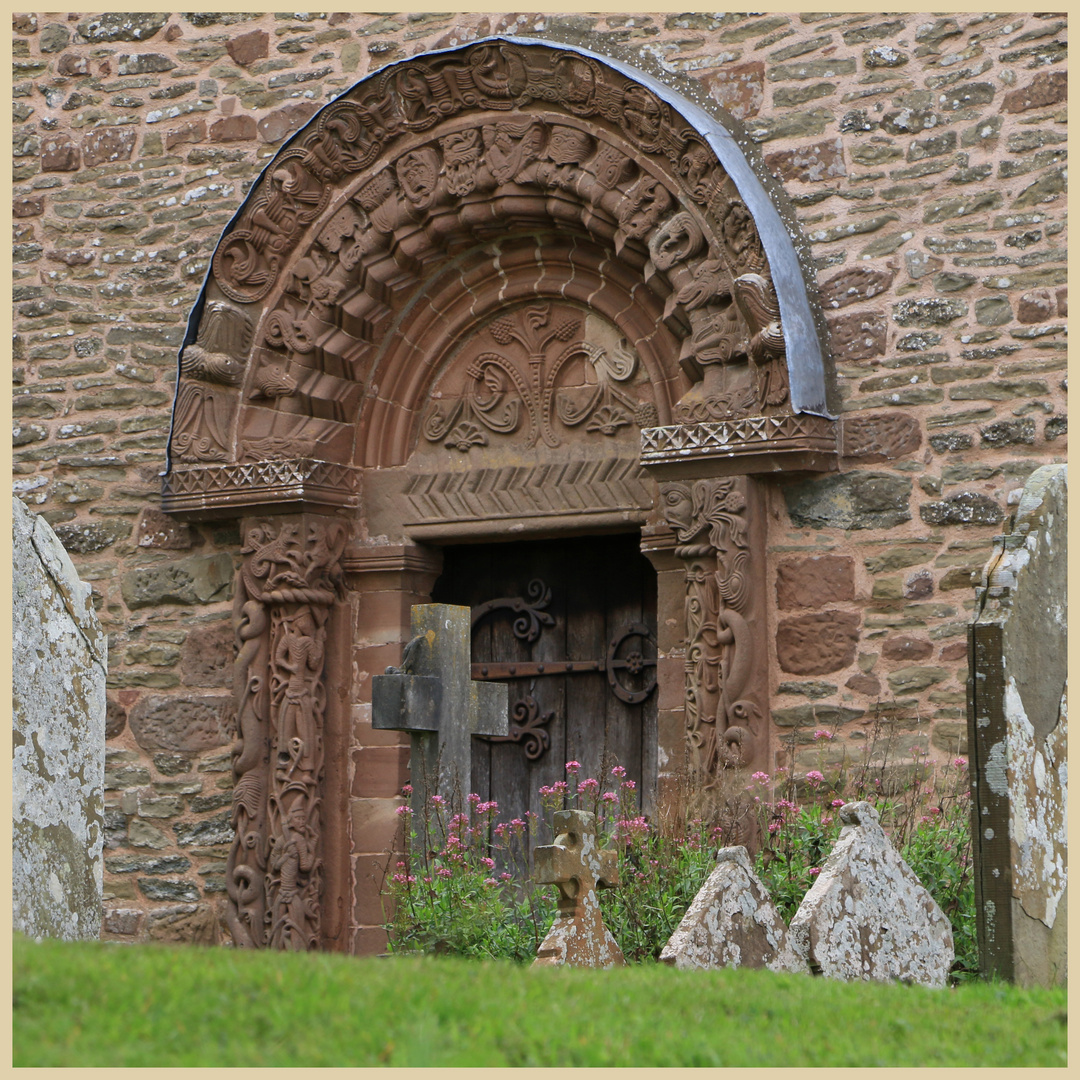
(426, 200)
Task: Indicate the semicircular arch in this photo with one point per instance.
(350, 299)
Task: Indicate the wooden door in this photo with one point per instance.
(590, 600)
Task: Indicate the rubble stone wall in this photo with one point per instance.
(925, 158)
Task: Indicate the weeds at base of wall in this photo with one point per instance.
(471, 894)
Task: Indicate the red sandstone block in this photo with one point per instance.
(369, 941)
(233, 128)
(368, 874)
(380, 771)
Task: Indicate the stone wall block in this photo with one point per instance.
(867, 917)
(182, 723)
(815, 581)
(817, 644)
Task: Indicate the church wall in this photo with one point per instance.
(924, 157)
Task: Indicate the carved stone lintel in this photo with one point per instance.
(285, 590)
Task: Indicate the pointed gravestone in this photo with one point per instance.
(578, 937)
(868, 916)
(433, 697)
(732, 923)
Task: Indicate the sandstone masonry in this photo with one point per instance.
(925, 158)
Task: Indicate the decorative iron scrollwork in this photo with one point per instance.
(529, 724)
(529, 727)
(531, 607)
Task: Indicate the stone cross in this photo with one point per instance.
(433, 697)
(578, 937)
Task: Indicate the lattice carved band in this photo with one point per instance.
(284, 484)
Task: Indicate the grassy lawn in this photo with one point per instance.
(89, 1004)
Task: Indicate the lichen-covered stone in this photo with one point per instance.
(732, 923)
(867, 917)
(121, 27)
(58, 732)
(856, 500)
(964, 508)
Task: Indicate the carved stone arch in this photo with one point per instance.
(506, 286)
(429, 181)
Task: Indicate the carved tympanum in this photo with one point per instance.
(529, 368)
(285, 589)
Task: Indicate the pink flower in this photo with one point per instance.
(761, 777)
(489, 863)
(401, 811)
(822, 735)
(814, 871)
(491, 881)
(628, 785)
(427, 881)
(960, 763)
(401, 866)
(437, 800)
(406, 789)
(473, 798)
(589, 785)
(814, 778)
(618, 771)
(504, 876)
(573, 766)
(774, 826)
(444, 872)
(487, 807)
(836, 803)
(609, 797)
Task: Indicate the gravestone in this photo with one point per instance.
(58, 735)
(578, 937)
(1017, 733)
(732, 922)
(433, 697)
(867, 916)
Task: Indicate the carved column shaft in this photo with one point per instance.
(720, 539)
(286, 590)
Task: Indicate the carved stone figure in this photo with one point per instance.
(723, 718)
(215, 360)
(284, 592)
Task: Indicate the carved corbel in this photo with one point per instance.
(286, 587)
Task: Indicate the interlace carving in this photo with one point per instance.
(722, 716)
(502, 387)
(285, 590)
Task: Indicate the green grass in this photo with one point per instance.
(89, 1004)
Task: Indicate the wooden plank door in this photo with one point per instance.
(591, 590)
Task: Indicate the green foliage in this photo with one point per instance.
(471, 893)
(92, 1005)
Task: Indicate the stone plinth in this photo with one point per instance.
(58, 732)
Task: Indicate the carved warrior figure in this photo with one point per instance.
(722, 718)
(284, 593)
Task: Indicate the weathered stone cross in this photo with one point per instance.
(578, 936)
(433, 697)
